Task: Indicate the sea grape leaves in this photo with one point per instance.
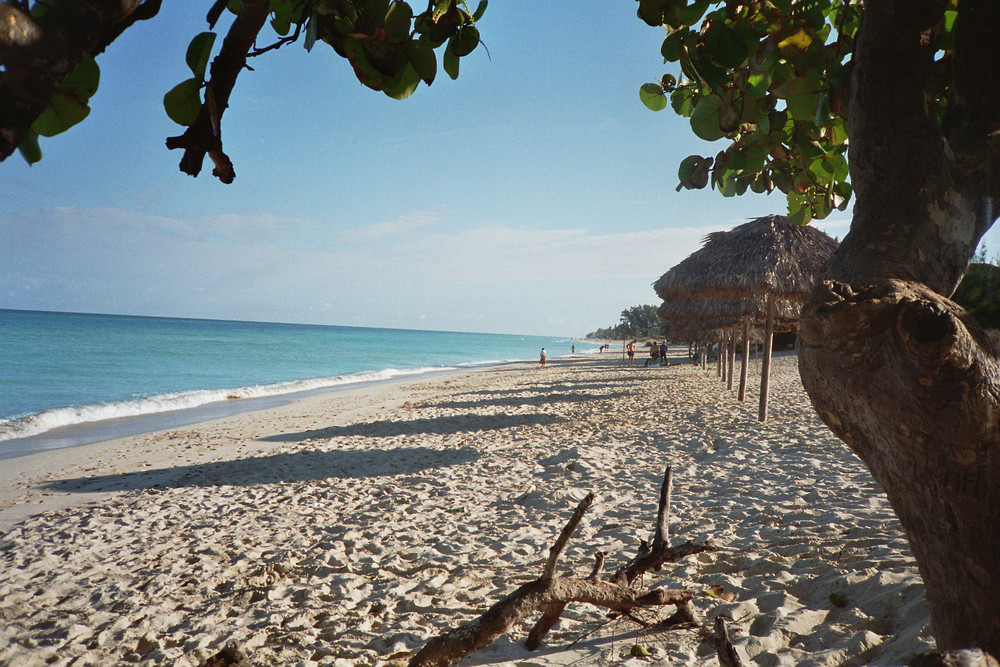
(770, 79)
(390, 46)
(69, 105)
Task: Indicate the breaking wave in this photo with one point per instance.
(35, 424)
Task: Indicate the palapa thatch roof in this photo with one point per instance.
(695, 314)
(766, 255)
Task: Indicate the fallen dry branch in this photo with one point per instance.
(552, 593)
(728, 657)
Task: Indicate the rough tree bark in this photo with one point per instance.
(904, 376)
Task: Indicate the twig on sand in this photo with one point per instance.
(552, 593)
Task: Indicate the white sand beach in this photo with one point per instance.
(349, 528)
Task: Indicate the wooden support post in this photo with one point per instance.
(720, 360)
(765, 367)
(746, 360)
(732, 358)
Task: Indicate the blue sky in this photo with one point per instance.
(535, 194)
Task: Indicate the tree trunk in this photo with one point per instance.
(904, 376)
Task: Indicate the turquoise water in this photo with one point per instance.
(59, 371)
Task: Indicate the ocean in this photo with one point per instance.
(69, 378)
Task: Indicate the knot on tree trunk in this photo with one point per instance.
(893, 317)
(910, 382)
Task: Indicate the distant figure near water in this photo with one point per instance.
(541, 357)
(630, 351)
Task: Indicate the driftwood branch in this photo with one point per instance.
(662, 535)
(552, 593)
(728, 657)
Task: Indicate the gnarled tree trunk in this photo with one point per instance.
(904, 376)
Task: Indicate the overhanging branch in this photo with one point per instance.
(38, 53)
(204, 136)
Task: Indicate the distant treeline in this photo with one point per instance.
(635, 322)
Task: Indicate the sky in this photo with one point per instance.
(534, 195)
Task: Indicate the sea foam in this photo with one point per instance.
(36, 424)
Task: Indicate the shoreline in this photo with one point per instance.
(92, 431)
(349, 528)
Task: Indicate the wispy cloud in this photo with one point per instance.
(401, 227)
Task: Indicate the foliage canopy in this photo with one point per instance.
(391, 48)
(771, 78)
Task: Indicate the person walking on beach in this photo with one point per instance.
(541, 358)
(630, 351)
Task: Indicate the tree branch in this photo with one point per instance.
(143, 12)
(662, 535)
(556, 549)
(38, 53)
(204, 137)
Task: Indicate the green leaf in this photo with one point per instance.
(693, 172)
(450, 62)
(198, 53)
(682, 101)
(421, 56)
(29, 148)
(724, 47)
(651, 11)
(823, 170)
(947, 42)
(480, 10)
(441, 7)
(282, 21)
(465, 41)
(640, 651)
(705, 118)
(803, 98)
(652, 96)
(68, 106)
(61, 113)
(692, 13)
(397, 22)
(183, 102)
(673, 45)
(311, 32)
(403, 85)
(757, 83)
(799, 211)
(82, 82)
(363, 69)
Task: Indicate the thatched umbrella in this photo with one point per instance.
(769, 258)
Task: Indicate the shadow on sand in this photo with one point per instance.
(436, 425)
(302, 466)
(536, 400)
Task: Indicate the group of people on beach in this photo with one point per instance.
(657, 352)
